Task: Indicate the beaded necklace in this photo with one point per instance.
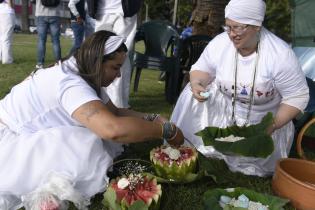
(234, 87)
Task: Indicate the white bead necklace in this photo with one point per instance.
(234, 87)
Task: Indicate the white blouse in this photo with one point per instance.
(279, 77)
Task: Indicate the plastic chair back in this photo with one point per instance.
(160, 39)
(158, 36)
(193, 46)
(191, 49)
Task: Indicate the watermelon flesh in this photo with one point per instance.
(174, 168)
(145, 189)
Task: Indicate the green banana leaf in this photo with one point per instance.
(256, 142)
(211, 198)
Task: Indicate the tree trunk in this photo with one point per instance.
(208, 17)
(24, 16)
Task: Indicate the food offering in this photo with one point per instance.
(175, 164)
(135, 191)
(241, 199)
(248, 141)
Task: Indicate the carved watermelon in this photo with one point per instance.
(134, 188)
(174, 164)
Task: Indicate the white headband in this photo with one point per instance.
(112, 44)
(251, 12)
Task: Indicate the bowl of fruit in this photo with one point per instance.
(135, 191)
(175, 164)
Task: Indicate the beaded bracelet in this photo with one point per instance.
(169, 131)
(150, 117)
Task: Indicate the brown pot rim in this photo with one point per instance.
(291, 178)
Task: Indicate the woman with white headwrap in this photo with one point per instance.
(59, 133)
(267, 77)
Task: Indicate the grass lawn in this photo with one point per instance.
(149, 98)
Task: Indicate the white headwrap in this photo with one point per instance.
(112, 44)
(251, 12)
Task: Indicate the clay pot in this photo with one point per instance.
(294, 179)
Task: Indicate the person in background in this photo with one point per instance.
(247, 72)
(7, 23)
(187, 32)
(60, 139)
(77, 12)
(89, 26)
(110, 16)
(48, 20)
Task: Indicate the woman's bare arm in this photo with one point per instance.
(97, 117)
(285, 114)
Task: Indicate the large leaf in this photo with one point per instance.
(256, 142)
(211, 198)
(138, 205)
(109, 200)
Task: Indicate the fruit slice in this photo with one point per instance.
(136, 187)
(174, 164)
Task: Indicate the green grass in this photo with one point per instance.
(149, 98)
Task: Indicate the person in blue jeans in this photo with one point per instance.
(77, 12)
(48, 21)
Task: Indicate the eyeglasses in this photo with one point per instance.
(238, 30)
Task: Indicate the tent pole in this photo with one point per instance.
(175, 12)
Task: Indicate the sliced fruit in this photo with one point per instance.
(140, 187)
(174, 164)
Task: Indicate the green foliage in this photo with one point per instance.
(211, 198)
(256, 142)
(278, 18)
(278, 14)
(184, 12)
(163, 10)
(110, 198)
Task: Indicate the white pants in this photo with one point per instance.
(7, 23)
(118, 91)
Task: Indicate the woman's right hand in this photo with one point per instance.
(178, 139)
(197, 88)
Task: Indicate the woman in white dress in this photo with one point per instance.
(7, 23)
(59, 132)
(267, 77)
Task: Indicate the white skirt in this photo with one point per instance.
(192, 116)
(27, 160)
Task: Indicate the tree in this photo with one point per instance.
(24, 16)
(278, 14)
(278, 18)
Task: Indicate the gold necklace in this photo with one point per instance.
(234, 87)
